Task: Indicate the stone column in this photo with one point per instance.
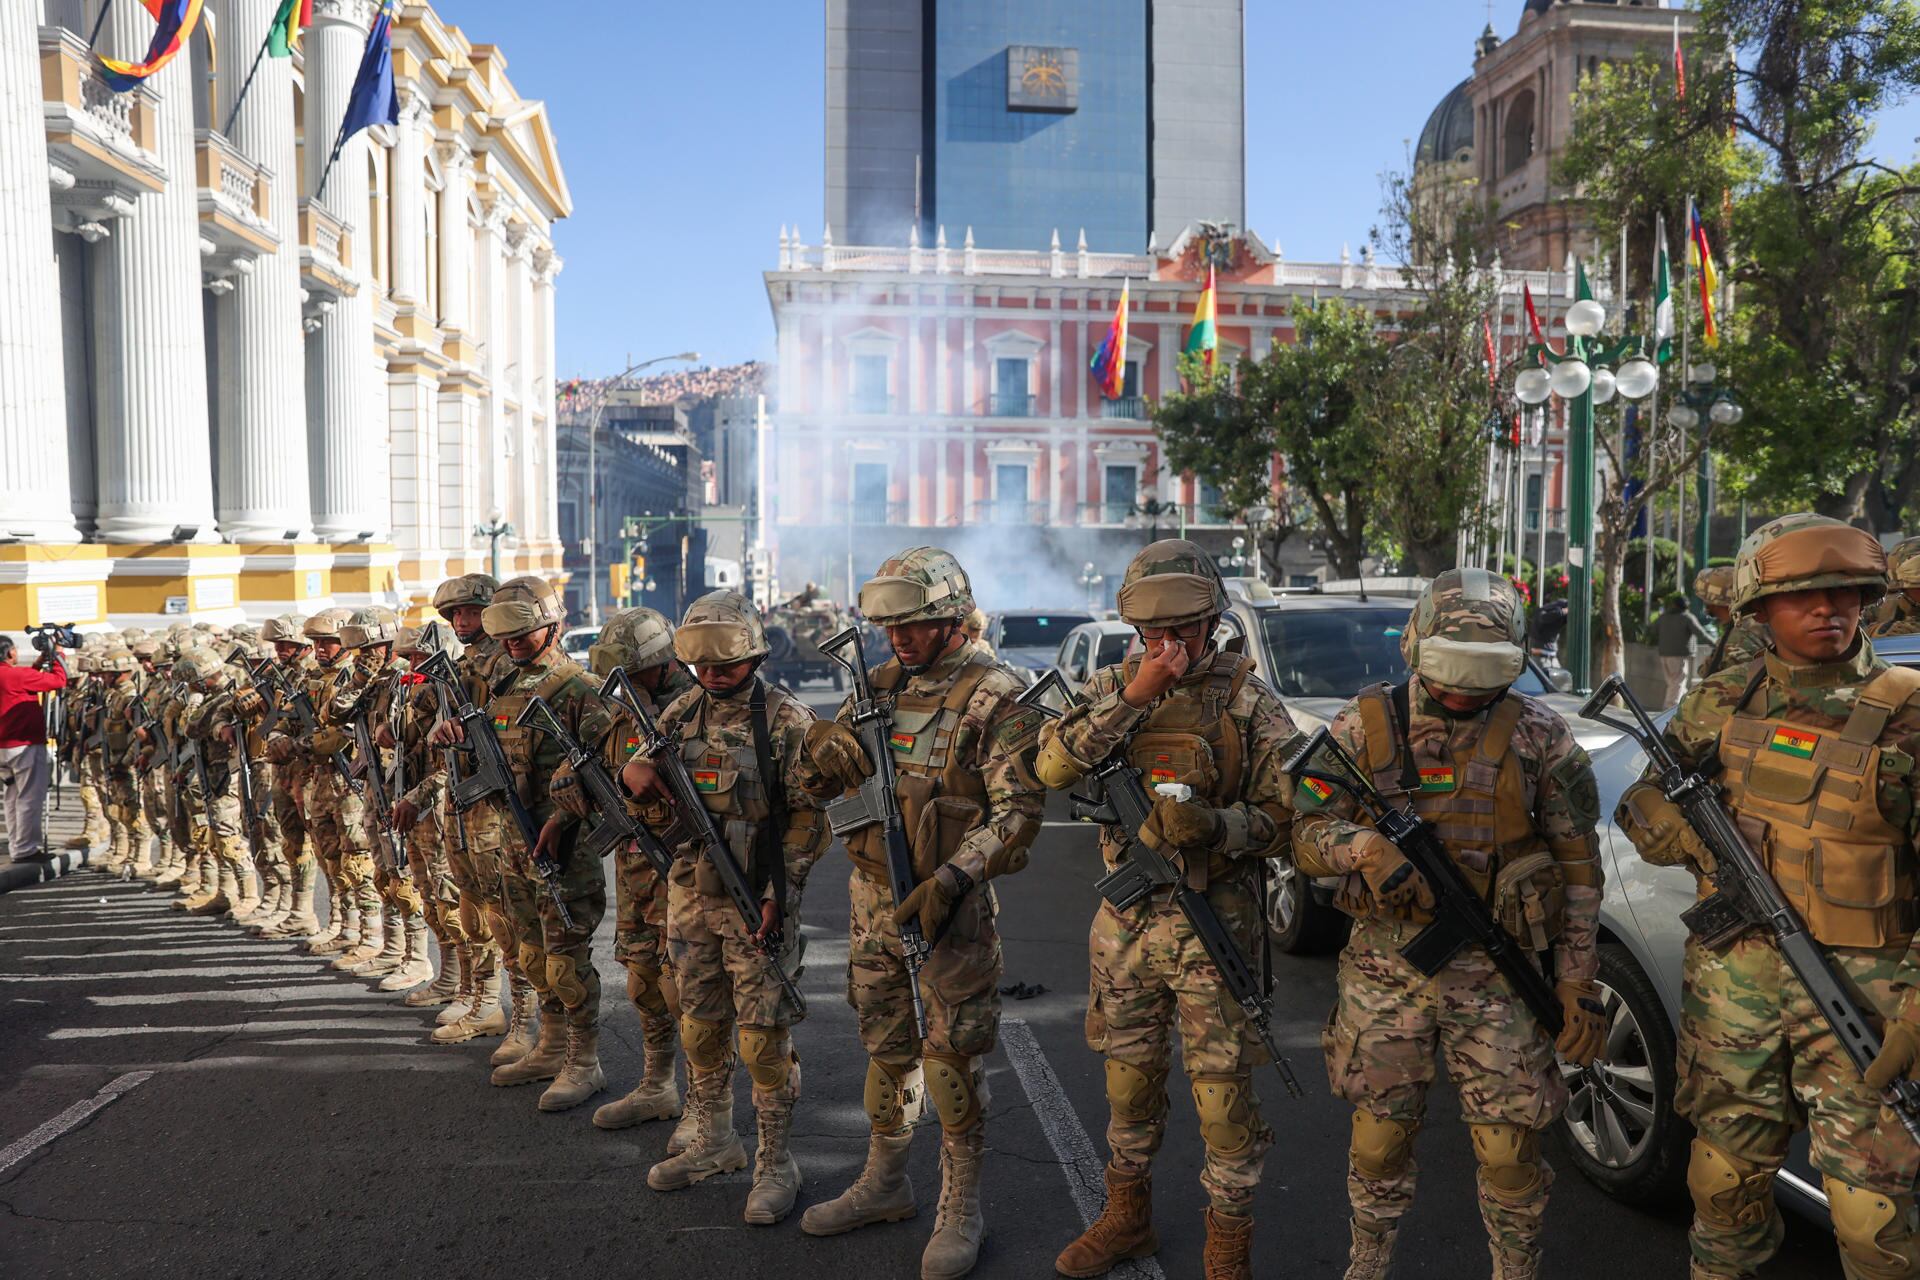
(150, 352)
(263, 494)
(341, 479)
(456, 247)
(408, 190)
(33, 443)
(546, 266)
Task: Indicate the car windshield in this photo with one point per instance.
(1037, 630)
(1335, 653)
(1113, 648)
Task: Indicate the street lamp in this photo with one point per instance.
(1238, 560)
(1090, 579)
(1701, 399)
(593, 479)
(1593, 370)
(493, 530)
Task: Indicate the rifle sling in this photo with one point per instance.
(768, 864)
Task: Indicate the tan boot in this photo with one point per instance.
(415, 966)
(198, 886)
(342, 932)
(882, 1192)
(1123, 1230)
(776, 1174)
(447, 986)
(1229, 1238)
(393, 946)
(688, 1130)
(79, 841)
(958, 1227)
(543, 1061)
(275, 903)
(373, 937)
(485, 1017)
(656, 1097)
(300, 921)
(580, 1076)
(1372, 1253)
(520, 1002)
(476, 966)
(243, 900)
(226, 886)
(167, 870)
(716, 1148)
(1515, 1264)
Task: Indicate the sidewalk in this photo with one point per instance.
(61, 827)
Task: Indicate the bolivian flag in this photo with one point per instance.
(1204, 338)
(1702, 255)
(1794, 742)
(173, 22)
(294, 16)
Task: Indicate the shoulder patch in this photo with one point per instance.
(1312, 794)
(1018, 729)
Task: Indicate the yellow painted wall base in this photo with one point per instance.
(52, 583)
(181, 580)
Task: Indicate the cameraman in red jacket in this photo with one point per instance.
(24, 771)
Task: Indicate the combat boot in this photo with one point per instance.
(346, 938)
(957, 1227)
(519, 1001)
(447, 986)
(715, 1148)
(1372, 1253)
(166, 871)
(331, 927)
(198, 886)
(476, 965)
(242, 900)
(372, 938)
(543, 1061)
(299, 922)
(393, 947)
(1515, 1264)
(225, 886)
(77, 841)
(688, 1129)
(882, 1192)
(580, 1076)
(1123, 1230)
(1229, 1238)
(655, 1098)
(776, 1174)
(138, 863)
(486, 1016)
(276, 901)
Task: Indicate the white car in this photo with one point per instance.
(576, 641)
(1091, 646)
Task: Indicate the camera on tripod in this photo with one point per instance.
(49, 636)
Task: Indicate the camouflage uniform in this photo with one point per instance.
(214, 788)
(149, 776)
(720, 975)
(1816, 764)
(1222, 732)
(165, 807)
(411, 708)
(82, 709)
(963, 751)
(1742, 636)
(348, 870)
(268, 846)
(280, 782)
(638, 641)
(557, 959)
(192, 827)
(1899, 613)
(126, 821)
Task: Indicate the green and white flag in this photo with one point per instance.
(1662, 293)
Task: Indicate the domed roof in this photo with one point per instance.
(1449, 130)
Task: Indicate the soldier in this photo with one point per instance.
(963, 752)
(741, 739)
(975, 629)
(214, 786)
(365, 866)
(1742, 639)
(640, 641)
(281, 783)
(82, 707)
(160, 698)
(250, 711)
(1187, 713)
(526, 616)
(127, 823)
(427, 866)
(195, 827)
(1813, 750)
(1514, 801)
(149, 781)
(1900, 614)
(321, 784)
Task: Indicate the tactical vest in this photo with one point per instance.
(728, 778)
(520, 745)
(119, 725)
(1187, 736)
(1808, 799)
(941, 798)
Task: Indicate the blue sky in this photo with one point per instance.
(691, 132)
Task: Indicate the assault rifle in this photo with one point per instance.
(662, 750)
(55, 710)
(614, 826)
(1745, 897)
(491, 775)
(1461, 916)
(240, 658)
(367, 764)
(198, 760)
(878, 801)
(1125, 804)
(450, 756)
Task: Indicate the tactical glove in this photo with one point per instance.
(1585, 1031)
(1395, 881)
(1899, 1057)
(1659, 831)
(1176, 825)
(279, 750)
(837, 754)
(932, 900)
(328, 740)
(569, 795)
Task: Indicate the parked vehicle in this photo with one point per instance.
(1091, 646)
(576, 641)
(1028, 640)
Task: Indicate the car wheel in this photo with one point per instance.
(1299, 923)
(1620, 1126)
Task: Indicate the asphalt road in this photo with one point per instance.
(178, 1099)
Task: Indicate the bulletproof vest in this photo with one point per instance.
(1187, 736)
(504, 708)
(726, 772)
(623, 737)
(199, 723)
(119, 722)
(1475, 794)
(1808, 800)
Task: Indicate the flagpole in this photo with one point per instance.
(99, 21)
(340, 141)
(248, 83)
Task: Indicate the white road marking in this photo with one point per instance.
(70, 1118)
(139, 975)
(252, 1028)
(235, 995)
(232, 949)
(1085, 1171)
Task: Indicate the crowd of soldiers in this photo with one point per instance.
(457, 784)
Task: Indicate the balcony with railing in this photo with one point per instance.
(235, 196)
(101, 152)
(1014, 511)
(1127, 408)
(877, 513)
(325, 249)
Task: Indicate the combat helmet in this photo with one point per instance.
(374, 625)
(1170, 583)
(1903, 565)
(1805, 552)
(429, 637)
(633, 638)
(921, 584)
(1714, 586)
(326, 624)
(721, 628)
(116, 658)
(129, 634)
(204, 667)
(522, 605)
(148, 647)
(468, 588)
(288, 628)
(1466, 633)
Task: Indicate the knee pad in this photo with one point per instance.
(1509, 1156)
(533, 965)
(950, 1088)
(563, 979)
(1135, 1095)
(1728, 1192)
(1228, 1118)
(1875, 1230)
(887, 1093)
(643, 989)
(1381, 1148)
(768, 1056)
(705, 1043)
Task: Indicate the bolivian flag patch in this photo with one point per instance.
(499, 723)
(706, 780)
(902, 741)
(1794, 742)
(1162, 771)
(1315, 791)
(1437, 778)
(633, 743)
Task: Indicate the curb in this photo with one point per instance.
(18, 875)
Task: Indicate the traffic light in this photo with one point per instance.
(617, 582)
(639, 565)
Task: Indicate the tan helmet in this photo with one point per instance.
(522, 605)
(129, 634)
(374, 625)
(114, 658)
(921, 584)
(468, 588)
(326, 624)
(720, 628)
(427, 638)
(1467, 633)
(975, 623)
(205, 668)
(148, 648)
(1714, 586)
(86, 661)
(243, 631)
(1170, 583)
(1903, 564)
(1804, 552)
(288, 628)
(633, 638)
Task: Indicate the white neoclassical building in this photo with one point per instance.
(224, 393)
